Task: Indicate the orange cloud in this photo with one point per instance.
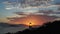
(34, 19)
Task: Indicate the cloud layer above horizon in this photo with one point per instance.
(33, 6)
(22, 8)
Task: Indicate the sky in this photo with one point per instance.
(19, 11)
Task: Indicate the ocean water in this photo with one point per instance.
(10, 29)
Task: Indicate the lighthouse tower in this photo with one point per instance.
(30, 27)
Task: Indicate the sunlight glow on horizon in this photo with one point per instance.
(34, 19)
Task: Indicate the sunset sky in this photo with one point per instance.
(26, 11)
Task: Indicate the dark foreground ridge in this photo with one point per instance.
(48, 28)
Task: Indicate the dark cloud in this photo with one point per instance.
(20, 13)
(16, 19)
(49, 12)
(59, 8)
(26, 3)
(36, 2)
(57, 2)
(45, 11)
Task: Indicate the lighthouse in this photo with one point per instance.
(30, 25)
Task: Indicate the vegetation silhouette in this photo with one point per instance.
(48, 28)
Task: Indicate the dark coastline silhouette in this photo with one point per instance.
(48, 28)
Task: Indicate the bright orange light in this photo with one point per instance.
(33, 19)
(30, 24)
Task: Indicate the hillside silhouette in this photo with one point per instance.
(48, 28)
